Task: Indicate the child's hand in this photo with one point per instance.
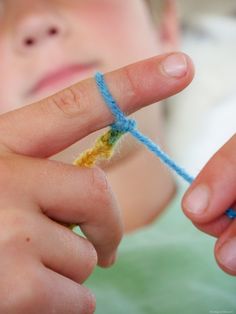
(211, 194)
(43, 264)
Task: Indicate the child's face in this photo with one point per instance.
(47, 45)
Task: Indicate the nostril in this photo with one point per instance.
(37, 33)
(53, 31)
(29, 41)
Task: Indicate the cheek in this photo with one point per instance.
(10, 82)
(118, 31)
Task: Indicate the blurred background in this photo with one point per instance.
(202, 117)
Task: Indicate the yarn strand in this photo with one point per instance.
(104, 146)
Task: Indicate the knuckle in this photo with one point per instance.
(100, 187)
(99, 179)
(68, 101)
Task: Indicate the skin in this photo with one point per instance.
(83, 35)
(34, 245)
(219, 180)
(34, 208)
(44, 262)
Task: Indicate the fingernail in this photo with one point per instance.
(175, 65)
(197, 200)
(227, 254)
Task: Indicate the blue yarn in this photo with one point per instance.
(124, 124)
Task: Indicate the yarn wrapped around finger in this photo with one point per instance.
(105, 145)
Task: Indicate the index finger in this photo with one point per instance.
(49, 126)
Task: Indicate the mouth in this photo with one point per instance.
(63, 77)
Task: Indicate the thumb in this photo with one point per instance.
(213, 191)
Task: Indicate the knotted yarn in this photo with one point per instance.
(104, 146)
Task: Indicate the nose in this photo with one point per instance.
(37, 30)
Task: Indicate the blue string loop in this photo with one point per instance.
(123, 124)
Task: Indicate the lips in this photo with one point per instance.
(63, 76)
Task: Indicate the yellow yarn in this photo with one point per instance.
(102, 149)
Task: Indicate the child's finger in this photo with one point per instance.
(63, 252)
(29, 287)
(70, 195)
(49, 126)
(84, 197)
(67, 297)
(213, 192)
(216, 227)
(225, 250)
(35, 236)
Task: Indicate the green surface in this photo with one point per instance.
(166, 268)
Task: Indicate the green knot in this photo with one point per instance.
(114, 136)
